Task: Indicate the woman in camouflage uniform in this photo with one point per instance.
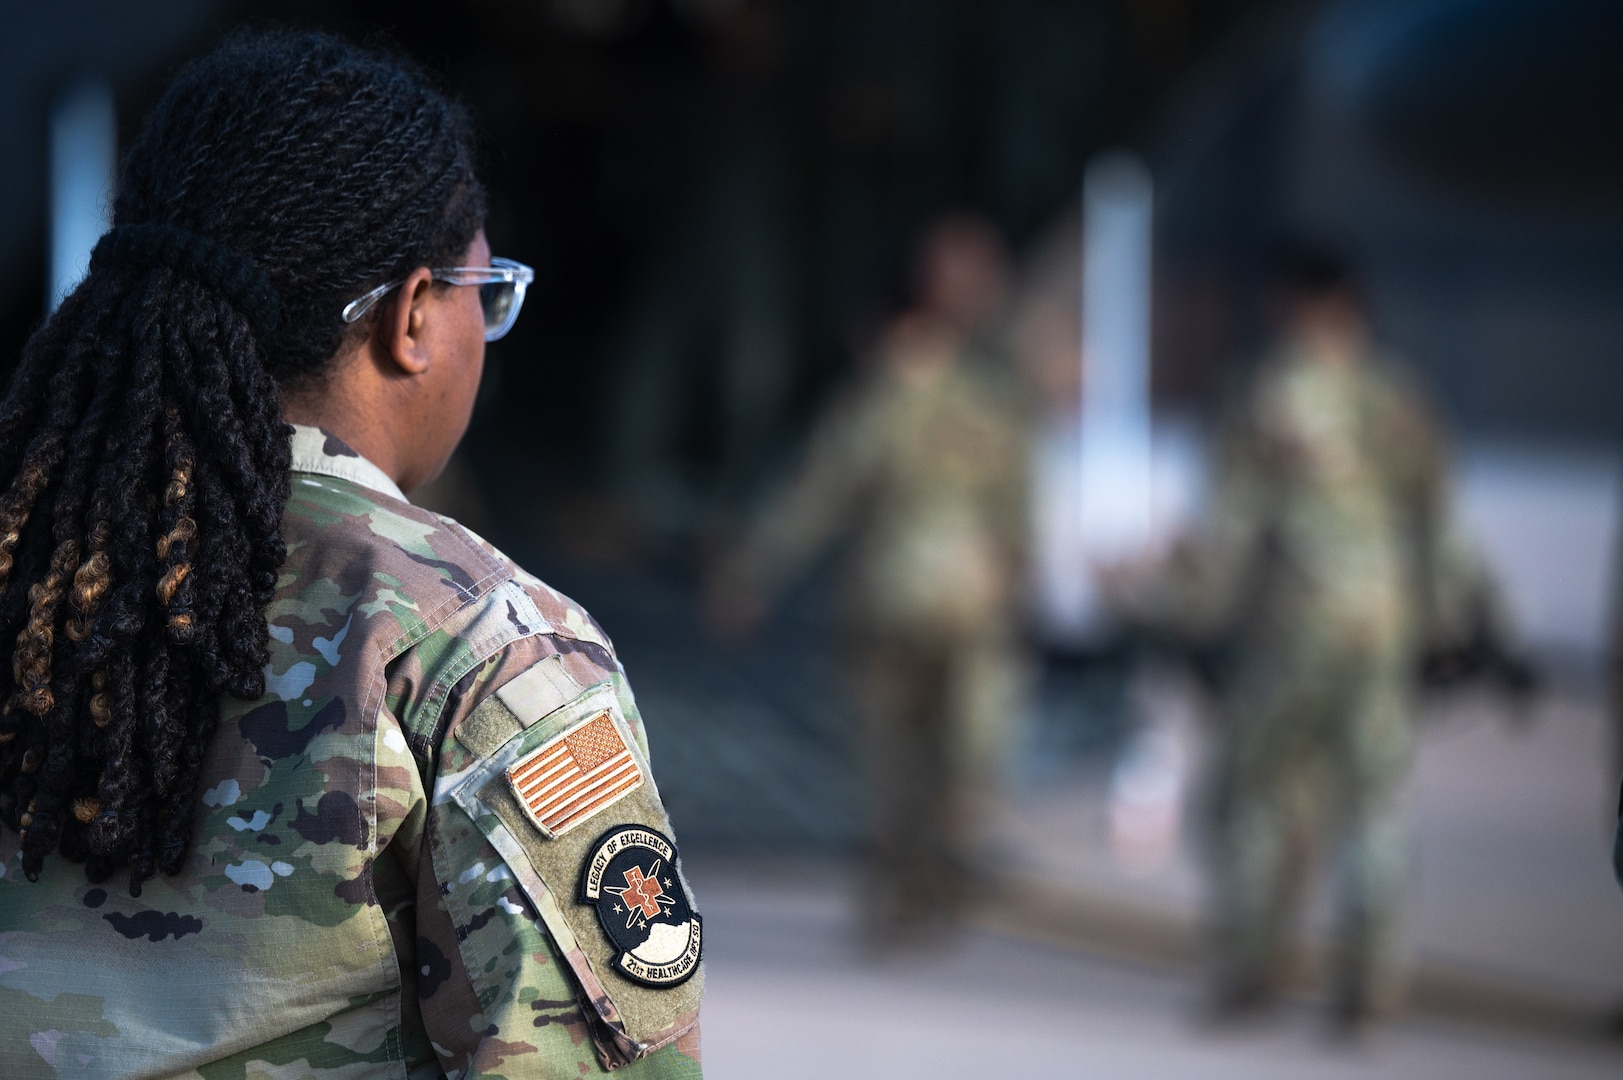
(297, 778)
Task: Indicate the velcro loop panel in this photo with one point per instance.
(633, 1019)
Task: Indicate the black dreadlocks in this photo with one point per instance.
(144, 460)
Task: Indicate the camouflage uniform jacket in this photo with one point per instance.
(365, 896)
(929, 477)
(1325, 521)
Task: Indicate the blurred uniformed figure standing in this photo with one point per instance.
(1319, 564)
(923, 464)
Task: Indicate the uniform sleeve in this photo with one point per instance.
(1200, 592)
(1449, 579)
(497, 997)
(1012, 493)
(500, 994)
(1220, 570)
(824, 497)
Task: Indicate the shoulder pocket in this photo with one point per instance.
(563, 792)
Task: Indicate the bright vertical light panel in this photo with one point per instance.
(84, 144)
(1115, 445)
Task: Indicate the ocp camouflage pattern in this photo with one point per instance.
(1322, 559)
(924, 465)
(333, 921)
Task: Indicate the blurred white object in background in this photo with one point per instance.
(84, 149)
(1546, 520)
(1093, 468)
(1117, 202)
(1064, 598)
(1149, 786)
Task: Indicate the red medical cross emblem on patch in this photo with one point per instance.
(643, 894)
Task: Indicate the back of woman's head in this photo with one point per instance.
(144, 460)
(332, 168)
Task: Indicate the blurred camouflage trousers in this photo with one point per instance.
(938, 718)
(1316, 755)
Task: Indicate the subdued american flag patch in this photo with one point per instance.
(574, 775)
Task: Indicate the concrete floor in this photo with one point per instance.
(1510, 821)
(1091, 968)
(789, 995)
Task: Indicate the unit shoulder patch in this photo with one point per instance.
(575, 775)
(536, 766)
(630, 877)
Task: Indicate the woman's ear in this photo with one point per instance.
(401, 327)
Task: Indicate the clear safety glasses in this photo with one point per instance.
(501, 292)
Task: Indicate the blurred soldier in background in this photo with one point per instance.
(924, 465)
(1319, 564)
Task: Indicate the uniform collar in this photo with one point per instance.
(318, 451)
